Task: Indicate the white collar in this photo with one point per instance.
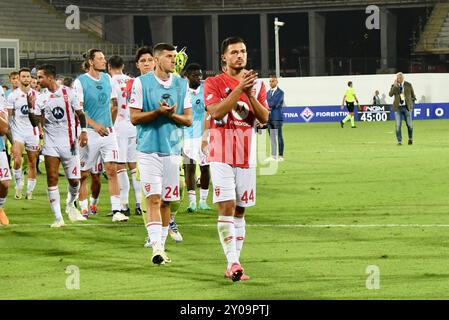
(164, 83)
(274, 89)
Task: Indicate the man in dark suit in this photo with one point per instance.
(275, 99)
(404, 98)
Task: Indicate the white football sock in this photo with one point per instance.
(84, 205)
(53, 197)
(2, 202)
(192, 196)
(226, 231)
(72, 193)
(115, 203)
(18, 177)
(203, 194)
(123, 181)
(136, 187)
(30, 185)
(164, 235)
(154, 230)
(240, 232)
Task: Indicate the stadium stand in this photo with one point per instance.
(435, 37)
(42, 31)
(136, 6)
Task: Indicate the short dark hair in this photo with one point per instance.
(228, 41)
(24, 69)
(67, 81)
(49, 70)
(116, 62)
(192, 67)
(13, 74)
(157, 50)
(143, 50)
(349, 83)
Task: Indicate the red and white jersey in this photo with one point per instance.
(123, 125)
(233, 140)
(20, 122)
(3, 103)
(59, 110)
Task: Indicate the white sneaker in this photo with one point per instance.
(270, 159)
(158, 255)
(119, 217)
(58, 223)
(74, 214)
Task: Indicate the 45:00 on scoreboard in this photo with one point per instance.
(371, 113)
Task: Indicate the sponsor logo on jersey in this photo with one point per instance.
(24, 110)
(241, 110)
(102, 98)
(58, 113)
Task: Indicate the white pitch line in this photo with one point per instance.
(318, 226)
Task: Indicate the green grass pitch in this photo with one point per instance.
(343, 200)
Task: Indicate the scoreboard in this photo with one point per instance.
(373, 113)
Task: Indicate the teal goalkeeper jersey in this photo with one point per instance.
(199, 112)
(97, 97)
(162, 135)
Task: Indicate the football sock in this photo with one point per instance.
(192, 196)
(154, 230)
(352, 121)
(84, 205)
(164, 235)
(203, 194)
(226, 232)
(53, 197)
(136, 186)
(30, 185)
(115, 203)
(18, 178)
(2, 202)
(123, 181)
(94, 201)
(72, 193)
(240, 231)
(348, 117)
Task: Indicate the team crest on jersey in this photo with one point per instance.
(241, 110)
(58, 113)
(147, 187)
(217, 191)
(24, 110)
(102, 98)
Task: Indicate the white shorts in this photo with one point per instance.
(106, 147)
(5, 172)
(127, 149)
(159, 175)
(29, 139)
(70, 163)
(233, 183)
(98, 167)
(192, 150)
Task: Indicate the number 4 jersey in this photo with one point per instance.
(59, 110)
